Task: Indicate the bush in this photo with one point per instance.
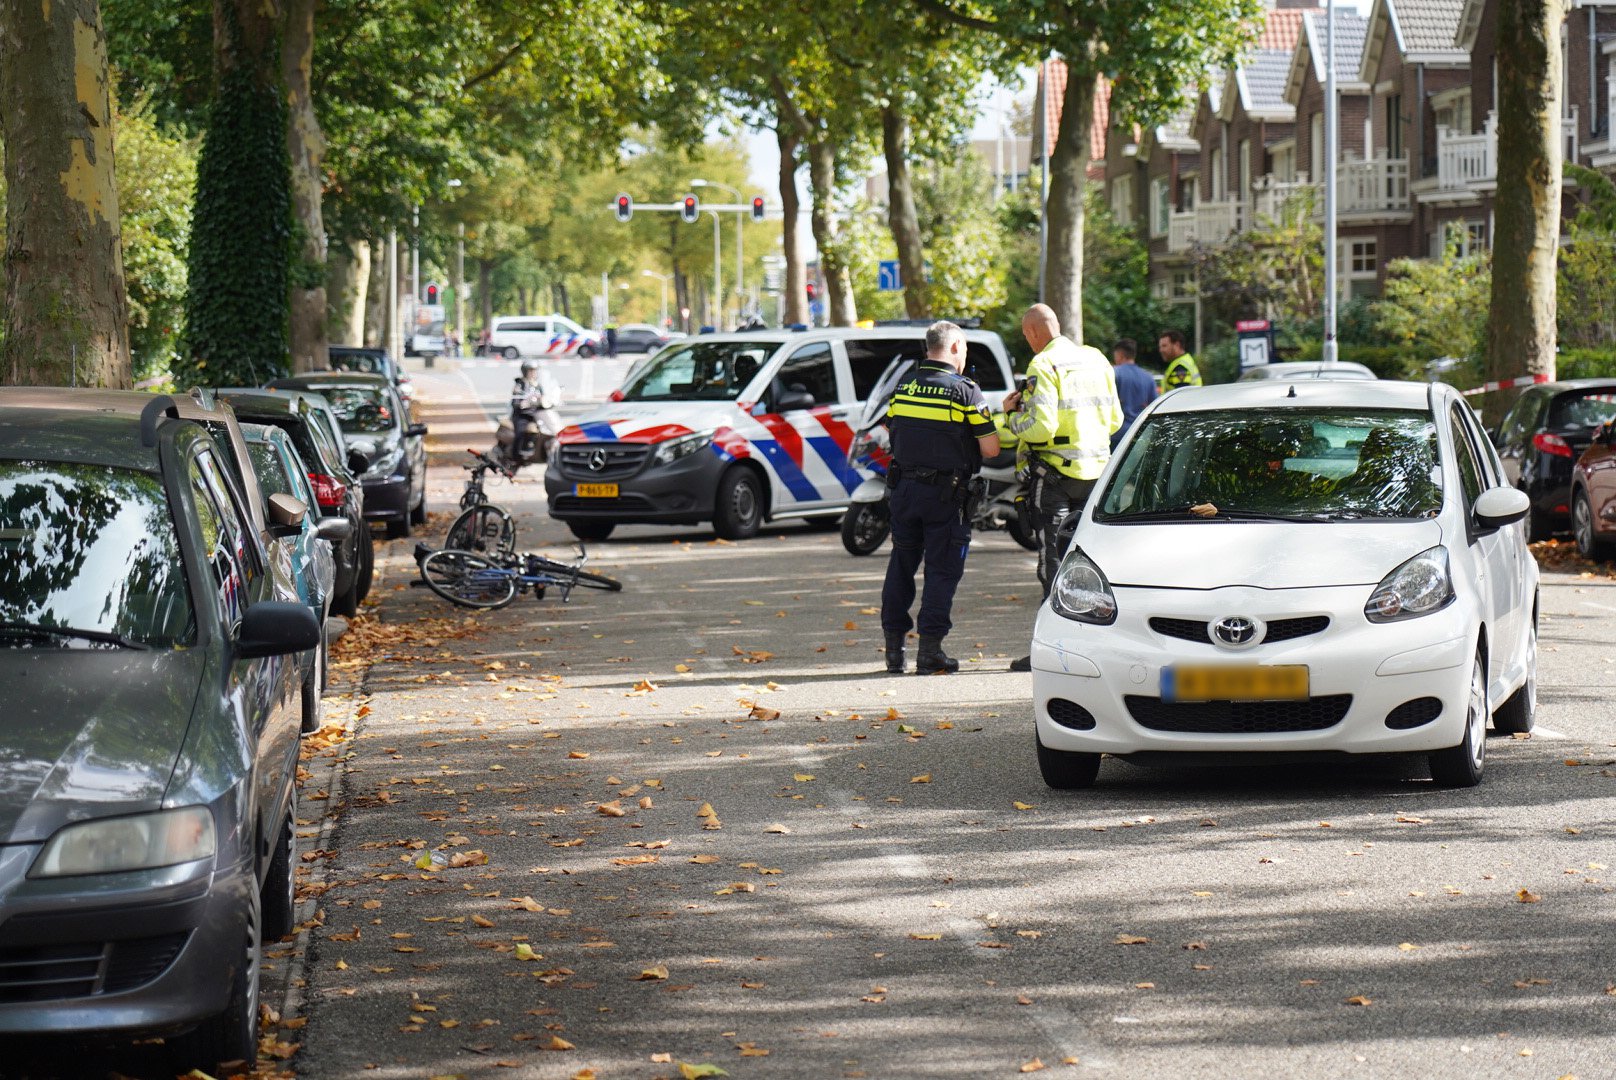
(1585, 364)
(1386, 361)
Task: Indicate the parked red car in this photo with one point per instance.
(1593, 495)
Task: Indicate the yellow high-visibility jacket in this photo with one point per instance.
(1068, 416)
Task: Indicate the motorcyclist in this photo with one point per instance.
(534, 399)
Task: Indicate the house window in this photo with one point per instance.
(1161, 206)
(1186, 193)
(1358, 265)
(1285, 164)
(1394, 126)
(1183, 285)
(1122, 200)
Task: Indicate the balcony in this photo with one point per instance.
(1372, 188)
(1215, 222)
(1180, 230)
(1272, 198)
(1465, 162)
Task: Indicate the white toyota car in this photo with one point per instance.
(1301, 571)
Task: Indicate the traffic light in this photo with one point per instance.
(625, 206)
(690, 209)
(813, 292)
(757, 208)
(431, 293)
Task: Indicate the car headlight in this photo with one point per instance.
(137, 842)
(1081, 592)
(386, 464)
(683, 446)
(1418, 587)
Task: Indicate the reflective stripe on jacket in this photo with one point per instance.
(1068, 416)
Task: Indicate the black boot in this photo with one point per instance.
(895, 653)
(932, 660)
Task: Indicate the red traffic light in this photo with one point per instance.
(757, 208)
(690, 209)
(625, 207)
(432, 294)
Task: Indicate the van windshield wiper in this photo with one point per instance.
(39, 630)
(1186, 513)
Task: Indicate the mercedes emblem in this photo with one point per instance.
(597, 460)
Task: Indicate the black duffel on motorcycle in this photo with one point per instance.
(868, 521)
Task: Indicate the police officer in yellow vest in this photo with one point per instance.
(941, 430)
(1064, 419)
(1182, 369)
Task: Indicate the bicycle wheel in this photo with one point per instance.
(538, 564)
(468, 579)
(486, 529)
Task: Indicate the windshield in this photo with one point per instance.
(361, 410)
(700, 371)
(1285, 464)
(269, 467)
(358, 361)
(1582, 410)
(88, 548)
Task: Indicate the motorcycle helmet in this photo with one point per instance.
(530, 368)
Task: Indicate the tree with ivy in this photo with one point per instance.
(1152, 52)
(66, 309)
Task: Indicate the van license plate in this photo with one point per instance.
(595, 491)
(1245, 683)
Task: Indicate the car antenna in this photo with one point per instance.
(1293, 391)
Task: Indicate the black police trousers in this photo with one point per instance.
(1056, 501)
(927, 524)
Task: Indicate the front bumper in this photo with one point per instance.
(387, 499)
(144, 951)
(1097, 689)
(677, 493)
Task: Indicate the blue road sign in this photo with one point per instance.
(890, 277)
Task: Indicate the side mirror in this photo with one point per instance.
(1500, 506)
(794, 399)
(415, 431)
(334, 529)
(357, 462)
(286, 515)
(276, 628)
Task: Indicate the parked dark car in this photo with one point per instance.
(640, 338)
(1540, 440)
(151, 736)
(377, 423)
(372, 361)
(334, 477)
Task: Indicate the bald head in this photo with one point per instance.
(1040, 326)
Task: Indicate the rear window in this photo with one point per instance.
(1582, 409)
(522, 326)
(370, 363)
(361, 410)
(983, 367)
(89, 548)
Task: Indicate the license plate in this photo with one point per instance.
(595, 491)
(1245, 683)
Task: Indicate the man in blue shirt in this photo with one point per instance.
(1135, 387)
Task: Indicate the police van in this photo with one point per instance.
(738, 429)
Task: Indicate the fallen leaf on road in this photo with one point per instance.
(696, 1072)
(776, 828)
(1023, 1000)
(524, 951)
(1407, 946)
(1132, 939)
(1359, 999)
(752, 1050)
(1144, 986)
(706, 811)
(683, 669)
(1522, 984)
(578, 755)
(1527, 896)
(923, 778)
(558, 1043)
(636, 860)
(760, 713)
(703, 860)
(802, 777)
(482, 921)
(658, 971)
(894, 714)
(611, 809)
(1023, 806)
(468, 858)
(1035, 1065)
(925, 937)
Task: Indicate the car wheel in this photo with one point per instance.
(738, 508)
(1066, 770)
(418, 515)
(865, 527)
(314, 689)
(367, 562)
(278, 900)
(232, 1034)
(511, 352)
(399, 528)
(591, 530)
(1539, 526)
(1461, 766)
(1517, 715)
(347, 604)
(585, 351)
(1582, 527)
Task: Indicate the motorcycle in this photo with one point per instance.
(868, 521)
(527, 435)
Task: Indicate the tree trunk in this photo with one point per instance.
(347, 286)
(67, 311)
(901, 215)
(485, 291)
(521, 299)
(306, 146)
(838, 281)
(795, 310)
(681, 298)
(1521, 324)
(566, 301)
(376, 296)
(1068, 166)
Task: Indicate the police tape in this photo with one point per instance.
(1506, 384)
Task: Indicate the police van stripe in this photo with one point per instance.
(787, 470)
(598, 432)
(836, 458)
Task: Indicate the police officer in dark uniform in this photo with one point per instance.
(940, 431)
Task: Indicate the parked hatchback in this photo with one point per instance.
(372, 361)
(377, 423)
(1292, 572)
(146, 825)
(1542, 436)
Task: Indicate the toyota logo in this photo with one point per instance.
(1236, 632)
(597, 460)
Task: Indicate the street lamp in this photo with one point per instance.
(459, 279)
(665, 278)
(739, 231)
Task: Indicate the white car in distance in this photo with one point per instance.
(1275, 571)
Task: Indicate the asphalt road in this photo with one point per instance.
(715, 834)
